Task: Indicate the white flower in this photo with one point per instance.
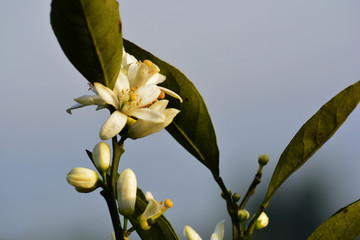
(191, 234)
(262, 221)
(135, 91)
(126, 192)
(142, 128)
(153, 210)
(102, 156)
(83, 179)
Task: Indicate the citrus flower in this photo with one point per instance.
(153, 210)
(134, 93)
(218, 234)
(126, 192)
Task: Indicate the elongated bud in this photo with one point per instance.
(83, 179)
(262, 221)
(126, 192)
(101, 155)
(191, 234)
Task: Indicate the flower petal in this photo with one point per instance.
(159, 106)
(152, 209)
(191, 234)
(156, 79)
(138, 74)
(90, 100)
(219, 231)
(147, 94)
(107, 95)
(171, 93)
(142, 128)
(76, 106)
(127, 58)
(113, 125)
(147, 114)
(122, 83)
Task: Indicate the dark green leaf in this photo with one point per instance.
(89, 32)
(162, 228)
(192, 127)
(313, 134)
(343, 225)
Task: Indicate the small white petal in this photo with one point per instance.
(147, 94)
(148, 196)
(219, 231)
(152, 209)
(90, 100)
(156, 79)
(127, 58)
(76, 106)
(159, 106)
(113, 125)
(122, 83)
(191, 234)
(138, 75)
(107, 95)
(171, 93)
(147, 114)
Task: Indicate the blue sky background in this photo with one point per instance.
(263, 68)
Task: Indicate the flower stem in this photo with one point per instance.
(232, 208)
(109, 192)
(251, 190)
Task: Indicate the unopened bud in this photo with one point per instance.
(126, 192)
(235, 197)
(101, 155)
(243, 215)
(191, 234)
(83, 179)
(223, 195)
(263, 159)
(262, 221)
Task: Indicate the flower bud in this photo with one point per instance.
(101, 155)
(83, 179)
(191, 234)
(262, 221)
(235, 197)
(126, 192)
(263, 159)
(243, 215)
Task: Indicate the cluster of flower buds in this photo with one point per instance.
(86, 180)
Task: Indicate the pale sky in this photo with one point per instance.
(263, 68)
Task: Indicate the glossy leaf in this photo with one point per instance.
(162, 228)
(192, 127)
(343, 225)
(90, 34)
(312, 135)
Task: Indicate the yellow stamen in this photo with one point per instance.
(168, 203)
(148, 63)
(133, 96)
(162, 95)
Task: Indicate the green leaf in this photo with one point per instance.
(192, 127)
(312, 135)
(90, 34)
(343, 225)
(162, 228)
